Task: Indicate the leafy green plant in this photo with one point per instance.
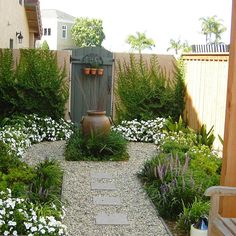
(206, 166)
(96, 148)
(204, 137)
(37, 85)
(175, 126)
(192, 213)
(145, 92)
(47, 182)
(87, 32)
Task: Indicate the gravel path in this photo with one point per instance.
(126, 210)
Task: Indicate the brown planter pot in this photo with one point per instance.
(100, 71)
(93, 71)
(95, 123)
(86, 71)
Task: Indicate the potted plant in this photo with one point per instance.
(86, 70)
(100, 71)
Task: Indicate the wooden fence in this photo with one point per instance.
(206, 80)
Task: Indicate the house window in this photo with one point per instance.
(11, 44)
(64, 31)
(47, 31)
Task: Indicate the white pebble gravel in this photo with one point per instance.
(78, 195)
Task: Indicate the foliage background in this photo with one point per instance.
(35, 85)
(144, 91)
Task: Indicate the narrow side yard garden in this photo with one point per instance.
(33, 94)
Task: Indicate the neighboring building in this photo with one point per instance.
(20, 23)
(57, 29)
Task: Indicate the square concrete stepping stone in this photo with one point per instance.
(103, 186)
(113, 219)
(107, 201)
(101, 175)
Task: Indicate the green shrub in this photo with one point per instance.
(192, 213)
(37, 85)
(97, 148)
(47, 182)
(14, 174)
(206, 166)
(146, 92)
(175, 142)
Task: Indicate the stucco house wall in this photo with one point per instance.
(19, 16)
(12, 21)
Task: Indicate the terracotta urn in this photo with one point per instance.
(95, 123)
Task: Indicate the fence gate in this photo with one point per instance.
(90, 91)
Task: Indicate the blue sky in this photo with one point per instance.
(161, 20)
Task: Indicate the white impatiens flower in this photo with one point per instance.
(143, 131)
(42, 231)
(27, 225)
(21, 136)
(33, 229)
(12, 223)
(14, 233)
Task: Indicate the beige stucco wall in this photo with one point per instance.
(13, 19)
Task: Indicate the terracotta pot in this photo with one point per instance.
(86, 71)
(95, 123)
(100, 71)
(93, 71)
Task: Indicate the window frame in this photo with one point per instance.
(45, 31)
(64, 30)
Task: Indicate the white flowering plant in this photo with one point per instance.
(20, 217)
(21, 132)
(177, 141)
(142, 131)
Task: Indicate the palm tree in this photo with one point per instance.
(175, 45)
(218, 30)
(140, 42)
(212, 26)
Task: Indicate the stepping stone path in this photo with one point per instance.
(115, 201)
(104, 198)
(103, 218)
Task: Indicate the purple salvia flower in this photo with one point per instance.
(160, 172)
(183, 183)
(186, 164)
(164, 189)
